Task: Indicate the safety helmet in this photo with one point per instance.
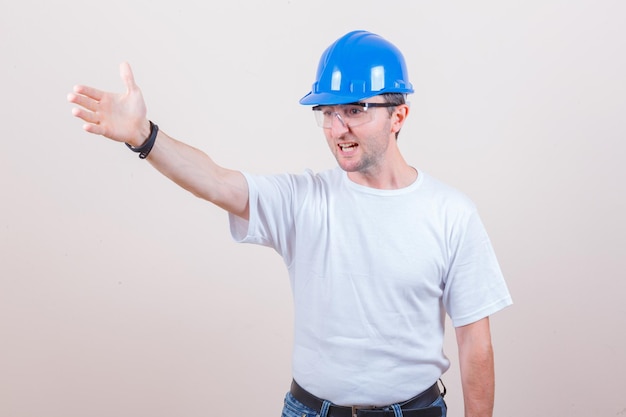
(356, 66)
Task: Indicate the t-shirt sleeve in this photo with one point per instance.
(270, 213)
(240, 228)
(474, 285)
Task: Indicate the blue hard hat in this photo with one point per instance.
(356, 66)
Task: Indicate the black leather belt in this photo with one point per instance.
(417, 406)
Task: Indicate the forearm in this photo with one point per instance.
(477, 369)
(122, 117)
(197, 173)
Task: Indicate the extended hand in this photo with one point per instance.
(121, 117)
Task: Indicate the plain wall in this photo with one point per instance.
(123, 295)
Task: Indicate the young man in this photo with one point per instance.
(377, 251)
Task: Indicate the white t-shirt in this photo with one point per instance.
(373, 273)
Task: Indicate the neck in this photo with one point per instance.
(396, 176)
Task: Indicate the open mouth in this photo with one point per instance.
(346, 147)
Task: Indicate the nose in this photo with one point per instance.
(338, 126)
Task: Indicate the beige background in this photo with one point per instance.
(121, 295)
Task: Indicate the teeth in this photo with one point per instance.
(347, 146)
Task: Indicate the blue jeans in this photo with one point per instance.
(294, 408)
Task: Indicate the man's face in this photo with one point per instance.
(360, 148)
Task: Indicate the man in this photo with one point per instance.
(377, 251)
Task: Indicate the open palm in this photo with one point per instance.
(121, 117)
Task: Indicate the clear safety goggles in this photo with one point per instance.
(350, 115)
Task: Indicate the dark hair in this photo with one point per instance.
(396, 99)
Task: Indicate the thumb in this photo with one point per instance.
(126, 73)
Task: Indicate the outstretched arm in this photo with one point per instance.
(122, 117)
(477, 370)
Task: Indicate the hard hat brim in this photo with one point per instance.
(328, 99)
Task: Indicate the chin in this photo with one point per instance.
(349, 167)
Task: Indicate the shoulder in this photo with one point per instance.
(445, 195)
(301, 182)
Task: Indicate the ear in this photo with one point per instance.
(399, 117)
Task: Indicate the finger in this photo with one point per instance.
(93, 124)
(126, 73)
(87, 116)
(84, 101)
(93, 128)
(90, 92)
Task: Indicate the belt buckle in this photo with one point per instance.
(356, 408)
